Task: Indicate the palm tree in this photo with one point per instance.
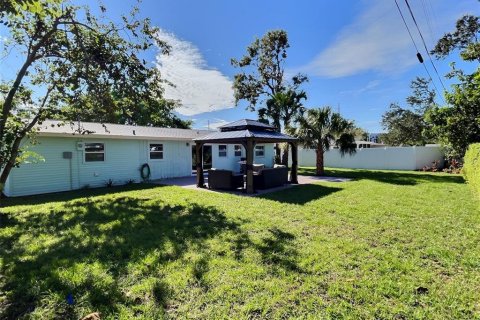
(320, 129)
(283, 107)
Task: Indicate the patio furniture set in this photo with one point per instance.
(263, 178)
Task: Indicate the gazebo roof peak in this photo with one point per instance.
(246, 124)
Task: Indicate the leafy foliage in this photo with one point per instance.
(284, 107)
(406, 126)
(81, 64)
(262, 79)
(471, 167)
(158, 113)
(464, 38)
(360, 134)
(320, 129)
(458, 124)
(19, 7)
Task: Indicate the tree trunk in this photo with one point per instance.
(10, 163)
(320, 170)
(285, 155)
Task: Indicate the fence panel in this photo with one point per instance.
(388, 158)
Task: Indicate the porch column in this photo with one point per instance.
(249, 166)
(293, 173)
(199, 164)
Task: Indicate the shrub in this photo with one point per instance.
(453, 166)
(130, 182)
(471, 166)
(433, 168)
(109, 183)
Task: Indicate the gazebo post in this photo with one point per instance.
(293, 173)
(199, 164)
(249, 166)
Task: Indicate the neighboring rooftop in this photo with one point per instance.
(95, 129)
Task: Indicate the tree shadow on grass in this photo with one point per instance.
(301, 194)
(105, 236)
(406, 178)
(88, 247)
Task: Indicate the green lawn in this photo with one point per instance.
(387, 245)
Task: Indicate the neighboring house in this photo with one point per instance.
(368, 144)
(72, 160)
(374, 137)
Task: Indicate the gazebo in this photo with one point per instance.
(247, 133)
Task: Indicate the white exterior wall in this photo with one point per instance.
(389, 158)
(269, 159)
(230, 162)
(123, 159)
(176, 162)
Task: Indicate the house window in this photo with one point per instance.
(222, 150)
(238, 150)
(156, 151)
(94, 152)
(259, 151)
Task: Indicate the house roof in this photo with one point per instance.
(108, 130)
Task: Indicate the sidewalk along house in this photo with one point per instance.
(78, 155)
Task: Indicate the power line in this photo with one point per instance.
(424, 44)
(419, 56)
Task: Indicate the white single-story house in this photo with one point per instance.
(70, 160)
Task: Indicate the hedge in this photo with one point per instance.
(471, 167)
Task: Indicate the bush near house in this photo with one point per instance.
(471, 167)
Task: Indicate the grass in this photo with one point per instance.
(386, 245)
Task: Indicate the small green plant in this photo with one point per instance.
(109, 183)
(130, 182)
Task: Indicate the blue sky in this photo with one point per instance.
(357, 54)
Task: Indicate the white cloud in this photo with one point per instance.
(368, 87)
(375, 41)
(198, 87)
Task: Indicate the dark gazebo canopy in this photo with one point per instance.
(248, 133)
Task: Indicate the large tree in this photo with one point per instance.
(157, 113)
(286, 106)
(68, 53)
(320, 129)
(458, 124)
(406, 126)
(262, 77)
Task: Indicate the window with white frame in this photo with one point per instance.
(259, 151)
(156, 151)
(238, 150)
(222, 150)
(94, 151)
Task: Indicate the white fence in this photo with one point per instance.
(388, 158)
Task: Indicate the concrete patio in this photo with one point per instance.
(190, 183)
